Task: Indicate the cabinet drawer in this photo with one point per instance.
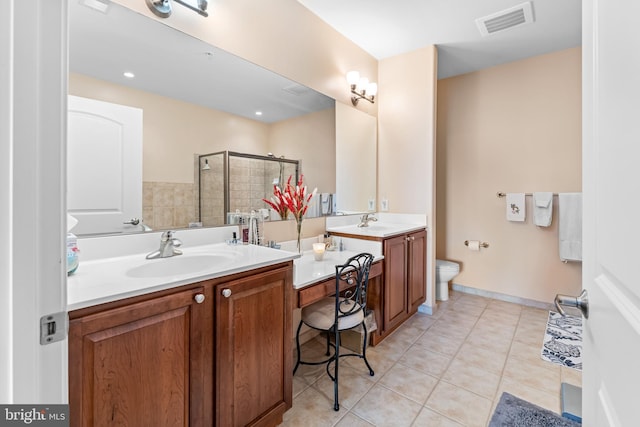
(316, 292)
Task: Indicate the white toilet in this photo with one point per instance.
(445, 271)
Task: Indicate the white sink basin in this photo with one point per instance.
(181, 264)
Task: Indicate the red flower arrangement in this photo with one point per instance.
(292, 199)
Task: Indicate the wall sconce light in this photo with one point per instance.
(361, 88)
(162, 8)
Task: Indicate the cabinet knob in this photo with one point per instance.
(199, 298)
(226, 293)
(413, 238)
(408, 239)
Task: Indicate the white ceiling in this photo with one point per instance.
(386, 28)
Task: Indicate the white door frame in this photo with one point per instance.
(33, 74)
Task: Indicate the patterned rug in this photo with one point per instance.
(515, 412)
(563, 340)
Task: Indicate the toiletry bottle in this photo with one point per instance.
(244, 221)
(72, 253)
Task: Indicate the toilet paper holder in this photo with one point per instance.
(482, 244)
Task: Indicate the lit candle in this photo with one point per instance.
(318, 251)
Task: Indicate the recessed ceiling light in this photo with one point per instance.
(128, 74)
(258, 113)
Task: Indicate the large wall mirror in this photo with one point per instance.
(197, 99)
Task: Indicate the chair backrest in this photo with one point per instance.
(352, 279)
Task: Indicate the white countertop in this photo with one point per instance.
(110, 279)
(307, 270)
(376, 229)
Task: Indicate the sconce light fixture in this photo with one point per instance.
(206, 166)
(162, 8)
(361, 88)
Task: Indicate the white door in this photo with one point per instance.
(104, 166)
(611, 190)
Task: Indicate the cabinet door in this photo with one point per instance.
(139, 365)
(253, 345)
(417, 270)
(395, 281)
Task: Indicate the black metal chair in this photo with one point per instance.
(344, 311)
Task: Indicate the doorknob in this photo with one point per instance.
(581, 302)
(133, 221)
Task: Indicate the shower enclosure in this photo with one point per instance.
(232, 184)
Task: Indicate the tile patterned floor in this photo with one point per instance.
(444, 370)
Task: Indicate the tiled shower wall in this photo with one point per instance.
(168, 205)
(251, 180)
(212, 191)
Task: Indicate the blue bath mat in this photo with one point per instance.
(515, 412)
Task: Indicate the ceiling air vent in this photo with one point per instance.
(514, 16)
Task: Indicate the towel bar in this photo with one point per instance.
(482, 244)
(501, 194)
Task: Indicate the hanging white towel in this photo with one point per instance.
(515, 207)
(542, 208)
(570, 226)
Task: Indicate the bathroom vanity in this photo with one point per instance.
(215, 350)
(404, 271)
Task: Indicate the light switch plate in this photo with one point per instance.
(384, 205)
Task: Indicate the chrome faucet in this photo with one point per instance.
(366, 218)
(138, 221)
(168, 245)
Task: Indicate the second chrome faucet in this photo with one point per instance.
(366, 218)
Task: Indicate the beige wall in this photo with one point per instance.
(511, 128)
(312, 139)
(406, 139)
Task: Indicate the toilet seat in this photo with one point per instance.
(447, 265)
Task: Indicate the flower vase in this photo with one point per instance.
(299, 228)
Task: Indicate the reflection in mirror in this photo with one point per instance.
(210, 169)
(356, 158)
(232, 185)
(195, 98)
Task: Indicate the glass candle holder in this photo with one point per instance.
(318, 251)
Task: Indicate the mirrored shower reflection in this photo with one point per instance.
(249, 179)
(211, 172)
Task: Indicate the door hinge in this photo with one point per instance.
(53, 327)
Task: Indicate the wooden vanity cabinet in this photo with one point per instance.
(143, 363)
(405, 275)
(395, 290)
(172, 358)
(404, 279)
(253, 346)
(416, 270)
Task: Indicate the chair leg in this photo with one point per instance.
(336, 405)
(364, 349)
(297, 348)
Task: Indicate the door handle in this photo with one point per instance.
(133, 221)
(581, 302)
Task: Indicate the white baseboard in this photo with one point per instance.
(425, 309)
(502, 297)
